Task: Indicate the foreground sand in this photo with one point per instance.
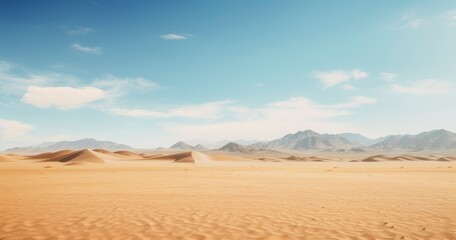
(324, 200)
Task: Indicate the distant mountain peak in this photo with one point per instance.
(181, 145)
(307, 140)
(308, 131)
(234, 147)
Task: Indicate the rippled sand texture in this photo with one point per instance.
(184, 201)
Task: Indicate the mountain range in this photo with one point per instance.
(303, 140)
(433, 140)
(309, 140)
(72, 145)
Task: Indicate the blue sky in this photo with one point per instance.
(150, 73)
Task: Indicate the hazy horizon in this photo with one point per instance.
(152, 73)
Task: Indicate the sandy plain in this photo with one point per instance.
(166, 198)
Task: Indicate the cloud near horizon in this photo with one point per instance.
(210, 110)
(423, 87)
(11, 130)
(273, 119)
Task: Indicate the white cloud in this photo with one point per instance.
(358, 74)
(79, 31)
(61, 97)
(16, 134)
(11, 130)
(332, 78)
(172, 36)
(92, 50)
(211, 110)
(423, 87)
(16, 81)
(273, 120)
(388, 76)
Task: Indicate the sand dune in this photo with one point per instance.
(80, 156)
(178, 157)
(382, 158)
(6, 159)
(49, 155)
(102, 151)
(126, 153)
(307, 159)
(194, 157)
(271, 159)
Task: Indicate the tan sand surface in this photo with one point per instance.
(253, 200)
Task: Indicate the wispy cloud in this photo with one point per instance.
(79, 31)
(92, 50)
(14, 80)
(388, 76)
(14, 133)
(408, 22)
(12, 130)
(53, 89)
(357, 101)
(332, 78)
(172, 36)
(423, 87)
(210, 110)
(61, 97)
(273, 120)
(414, 24)
(116, 86)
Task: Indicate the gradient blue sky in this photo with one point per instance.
(150, 73)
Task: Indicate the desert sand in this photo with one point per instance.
(98, 194)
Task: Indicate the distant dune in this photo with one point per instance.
(230, 153)
(383, 158)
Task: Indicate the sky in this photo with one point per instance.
(151, 73)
